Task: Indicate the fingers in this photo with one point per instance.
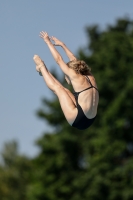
(43, 34)
(52, 38)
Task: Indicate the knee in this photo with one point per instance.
(58, 89)
(53, 85)
(66, 89)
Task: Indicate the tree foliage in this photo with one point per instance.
(14, 173)
(96, 163)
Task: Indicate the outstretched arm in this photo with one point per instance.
(55, 53)
(67, 51)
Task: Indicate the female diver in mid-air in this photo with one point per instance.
(80, 107)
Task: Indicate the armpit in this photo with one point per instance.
(68, 79)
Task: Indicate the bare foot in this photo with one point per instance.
(39, 63)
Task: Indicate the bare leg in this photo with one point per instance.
(67, 104)
(68, 91)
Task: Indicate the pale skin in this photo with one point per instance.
(88, 99)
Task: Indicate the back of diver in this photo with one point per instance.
(82, 122)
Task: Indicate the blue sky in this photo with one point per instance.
(21, 88)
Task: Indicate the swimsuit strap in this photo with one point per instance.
(89, 80)
(91, 83)
(84, 90)
(76, 94)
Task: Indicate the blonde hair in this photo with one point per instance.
(79, 66)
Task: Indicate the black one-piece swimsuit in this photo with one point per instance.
(82, 122)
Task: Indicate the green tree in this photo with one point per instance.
(97, 163)
(14, 173)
